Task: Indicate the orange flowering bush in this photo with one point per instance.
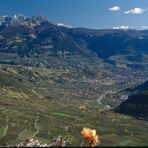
(91, 136)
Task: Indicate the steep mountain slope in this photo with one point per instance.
(34, 37)
(139, 88)
(137, 104)
(25, 37)
(106, 43)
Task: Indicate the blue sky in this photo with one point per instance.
(97, 14)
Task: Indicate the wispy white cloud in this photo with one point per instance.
(144, 27)
(114, 8)
(136, 10)
(64, 25)
(121, 27)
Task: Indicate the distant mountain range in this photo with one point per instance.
(20, 19)
(22, 36)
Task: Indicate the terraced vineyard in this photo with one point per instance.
(42, 103)
(46, 121)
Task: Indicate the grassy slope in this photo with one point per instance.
(28, 109)
(46, 121)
